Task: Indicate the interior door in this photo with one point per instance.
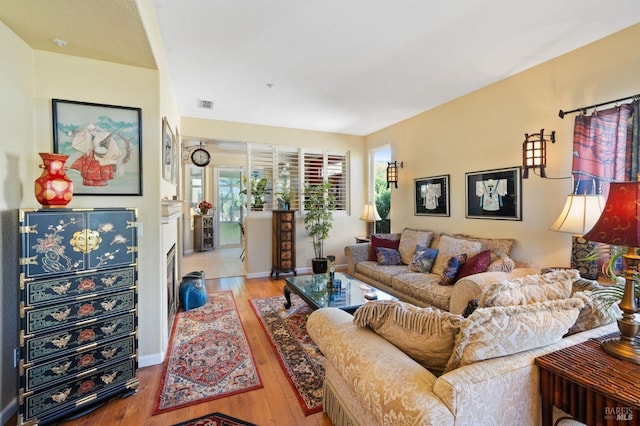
(230, 211)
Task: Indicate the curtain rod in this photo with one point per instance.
(562, 113)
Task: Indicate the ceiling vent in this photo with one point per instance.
(205, 104)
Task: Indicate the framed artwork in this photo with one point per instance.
(104, 145)
(494, 194)
(170, 153)
(432, 196)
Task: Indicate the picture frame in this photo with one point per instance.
(431, 196)
(170, 153)
(104, 145)
(494, 194)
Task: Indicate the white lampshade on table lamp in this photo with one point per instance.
(578, 216)
(370, 215)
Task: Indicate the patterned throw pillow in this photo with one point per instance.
(387, 256)
(381, 242)
(450, 271)
(505, 330)
(425, 334)
(409, 240)
(449, 246)
(530, 289)
(474, 265)
(423, 259)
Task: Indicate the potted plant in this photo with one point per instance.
(258, 192)
(318, 205)
(285, 197)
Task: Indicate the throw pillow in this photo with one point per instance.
(595, 313)
(381, 242)
(449, 246)
(387, 256)
(530, 289)
(409, 239)
(425, 334)
(450, 271)
(503, 245)
(500, 262)
(505, 330)
(423, 259)
(474, 265)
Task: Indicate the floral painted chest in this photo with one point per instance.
(78, 310)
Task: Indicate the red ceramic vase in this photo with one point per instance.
(53, 188)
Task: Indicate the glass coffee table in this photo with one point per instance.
(348, 297)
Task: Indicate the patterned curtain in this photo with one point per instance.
(603, 149)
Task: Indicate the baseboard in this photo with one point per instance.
(8, 411)
(149, 360)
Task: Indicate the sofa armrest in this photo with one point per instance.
(356, 253)
(473, 286)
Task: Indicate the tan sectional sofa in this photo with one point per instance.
(374, 377)
(423, 289)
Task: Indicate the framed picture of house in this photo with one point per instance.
(104, 145)
(494, 194)
(431, 197)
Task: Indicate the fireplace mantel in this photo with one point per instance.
(171, 210)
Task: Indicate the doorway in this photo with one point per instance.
(230, 210)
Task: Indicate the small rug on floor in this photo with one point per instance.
(209, 356)
(299, 357)
(215, 419)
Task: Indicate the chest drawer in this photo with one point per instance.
(76, 363)
(75, 339)
(81, 390)
(59, 290)
(73, 312)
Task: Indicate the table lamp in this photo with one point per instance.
(618, 225)
(370, 215)
(579, 214)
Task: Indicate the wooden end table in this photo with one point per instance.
(592, 386)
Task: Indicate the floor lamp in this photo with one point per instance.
(618, 225)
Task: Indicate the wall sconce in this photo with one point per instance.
(392, 172)
(534, 152)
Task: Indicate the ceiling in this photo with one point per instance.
(340, 66)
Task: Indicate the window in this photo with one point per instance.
(279, 169)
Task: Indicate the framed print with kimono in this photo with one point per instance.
(431, 197)
(494, 194)
(104, 145)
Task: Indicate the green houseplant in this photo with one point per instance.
(285, 197)
(319, 204)
(258, 192)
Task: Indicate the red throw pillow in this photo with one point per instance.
(478, 263)
(381, 242)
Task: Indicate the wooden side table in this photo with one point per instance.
(592, 386)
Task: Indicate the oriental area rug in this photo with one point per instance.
(209, 356)
(299, 357)
(215, 419)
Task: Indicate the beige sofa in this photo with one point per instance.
(422, 289)
(371, 381)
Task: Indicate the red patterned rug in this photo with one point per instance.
(299, 357)
(215, 419)
(209, 356)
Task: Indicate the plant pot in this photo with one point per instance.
(319, 266)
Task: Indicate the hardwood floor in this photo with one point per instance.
(274, 404)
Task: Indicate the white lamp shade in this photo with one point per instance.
(579, 214)
(370, 213)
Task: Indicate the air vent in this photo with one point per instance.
(205, 104)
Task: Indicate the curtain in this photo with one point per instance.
(602, 150)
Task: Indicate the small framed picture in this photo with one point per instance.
(170, 152)
(432, 196)
(494, 194)
(104, 145)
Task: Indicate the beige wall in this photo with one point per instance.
(485, 129)
(258, 225)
